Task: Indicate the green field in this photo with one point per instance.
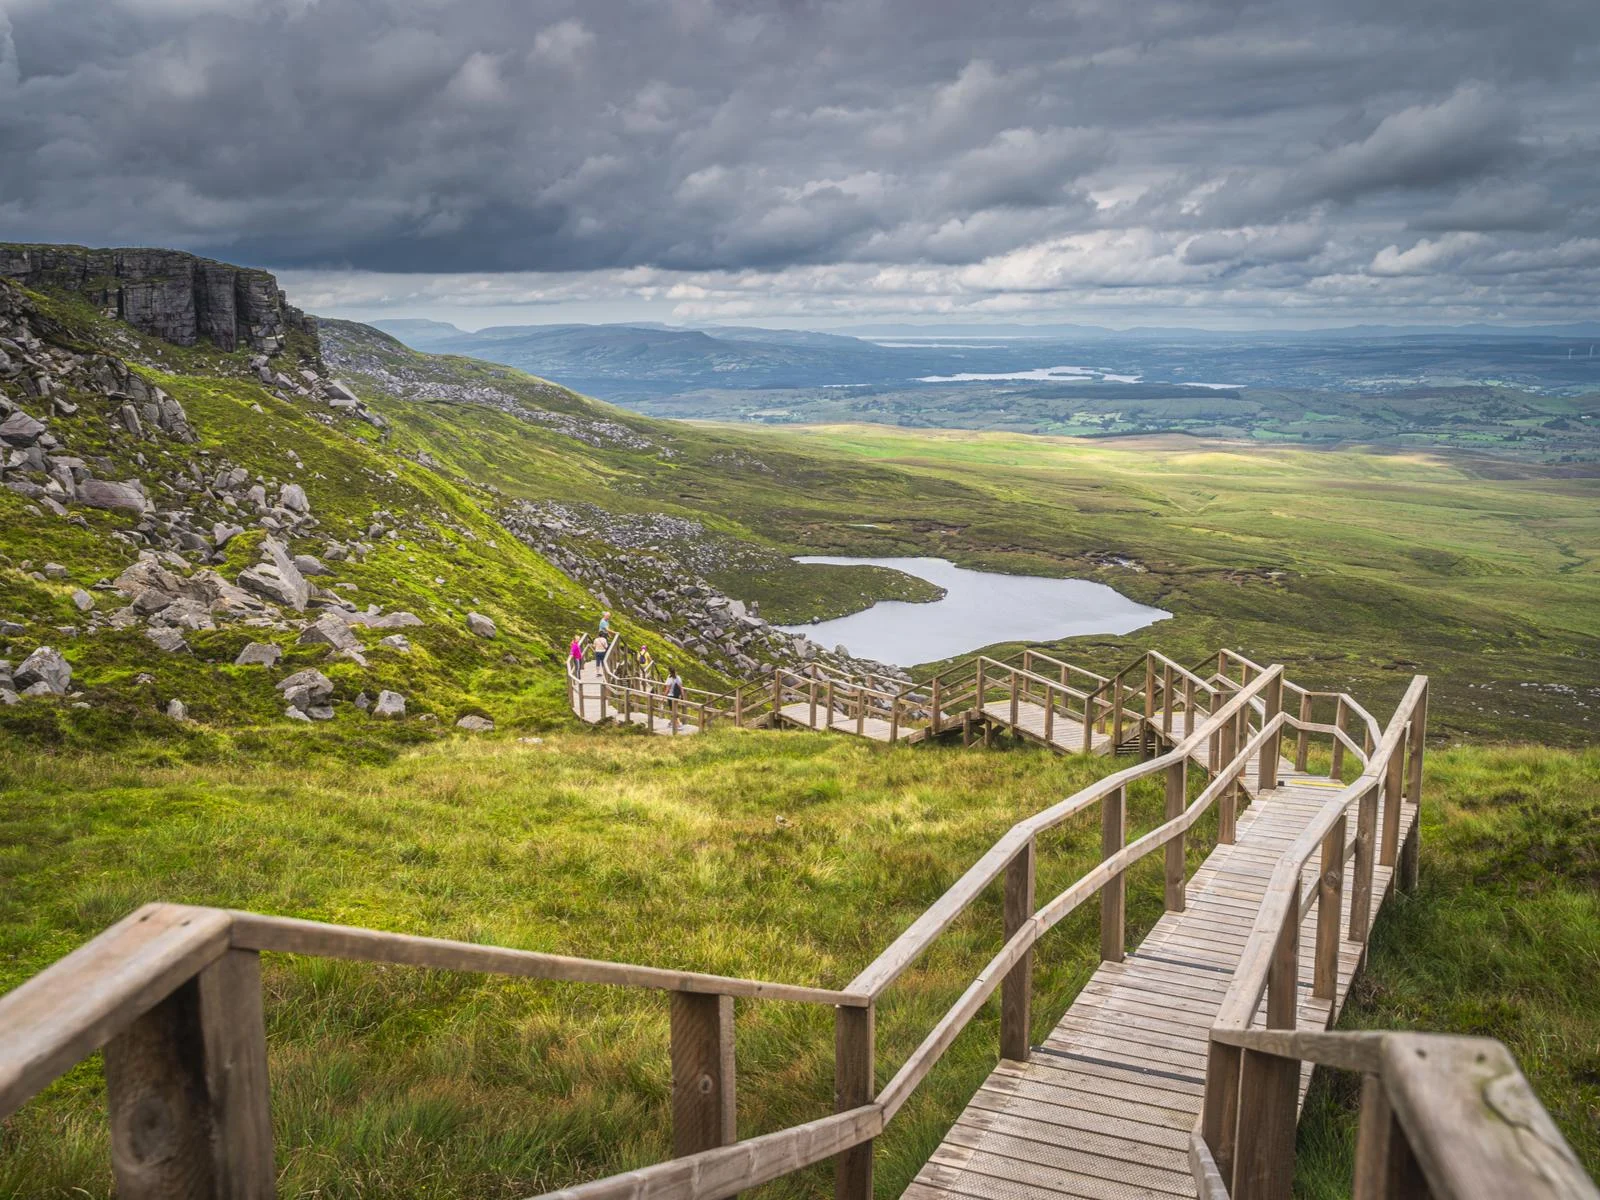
(792, 857)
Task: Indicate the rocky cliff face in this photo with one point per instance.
(166, 293)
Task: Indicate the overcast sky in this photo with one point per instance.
(1121, 162)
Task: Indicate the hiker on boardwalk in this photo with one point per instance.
(601, 645)
(647, 666)
(605, 623)
(575, 653)
(674, 684)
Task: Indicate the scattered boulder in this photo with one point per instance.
(293, 497)
(117, 497)
(8, 697)
(397, 641)
(480, 625)
(258, 654)
(308, 564)
(475, 724)
(396, 620)
(19, 429)
(329, 630)
(390, 704)
(177, 710)
(167, 638)
(54, 571)
(44, 668)
(82, 601)
(276, 577)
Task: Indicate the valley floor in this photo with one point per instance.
(791, 856)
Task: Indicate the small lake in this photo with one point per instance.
(979, 608)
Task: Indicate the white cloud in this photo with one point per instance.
(561, 44)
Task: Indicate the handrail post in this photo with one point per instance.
(777, 694)
(933, 704)
(1188, 706)
(1393, 784)
(1116, 714)
(1166, 700)
(627, 705)
(1302, 745)
(1088, 722)
(1177, 793)
(853, 1086)
(1361, 896)
(738, 706)
(1341, 722)
(1410, 853)
(703, 1100)
(1014, 678)
(1149, 686)
(861, 712)
(1114, 895)
(828, 706)
(1016, 994)
(812, 717)
(1271, 745)
(1330, 907)
(187, 1090)
(978, 695)
(1385, 1167)
(894, 720)
(1228, 801)
(1049, 714)
(1263, 1167)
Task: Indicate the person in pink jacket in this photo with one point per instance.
(576, 654)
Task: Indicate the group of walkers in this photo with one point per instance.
(601, 646)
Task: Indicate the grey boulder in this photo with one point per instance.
(480, 625)
(118, 497)
(258, 654)
(390, 704)
(475, 724)
(44, 667)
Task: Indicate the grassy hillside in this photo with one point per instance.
(794, 857)
(431, 547)
(1354, 567)
(786, 856)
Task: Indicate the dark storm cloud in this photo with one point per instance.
(928, 146)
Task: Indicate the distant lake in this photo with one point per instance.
(979, 609)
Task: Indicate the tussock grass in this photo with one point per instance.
(782, 856)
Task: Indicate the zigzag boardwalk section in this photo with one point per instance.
(1104, 1108)
(1179, 1069)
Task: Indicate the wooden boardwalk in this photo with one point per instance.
(1066, 734)
(586, 703)
(874, 728)
(1103, 1109)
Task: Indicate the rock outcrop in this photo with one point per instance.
(177, 297)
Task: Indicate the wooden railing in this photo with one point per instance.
(173, 995)
(1451, 1118)
(621, 692)
(1246, 1132)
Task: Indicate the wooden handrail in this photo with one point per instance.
(910, 945)
(1444, 1116)
(1245, 1091)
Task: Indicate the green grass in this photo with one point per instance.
(1501, 939)
(784, 856)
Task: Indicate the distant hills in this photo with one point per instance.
(738, 371)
